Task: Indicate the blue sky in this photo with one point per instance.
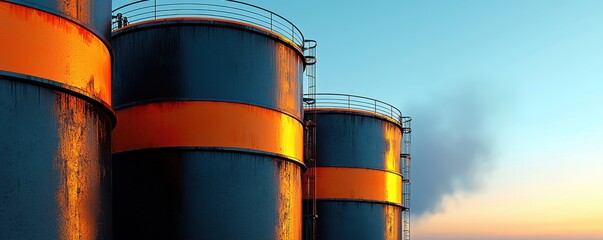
(505, 99)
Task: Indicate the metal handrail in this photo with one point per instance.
(354, 102)
(227, 10)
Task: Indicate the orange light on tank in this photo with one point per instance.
(287, 73)
(39, 44)
(357, 184)
(78, 192)
(392, 223)
(290, 206)
(393, 135)
(208, 124)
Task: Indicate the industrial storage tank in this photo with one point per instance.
(55, 119)
(356, 186)
(209, 141)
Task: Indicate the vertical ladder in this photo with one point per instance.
(309, 102)
(405, 158)
(310, 63)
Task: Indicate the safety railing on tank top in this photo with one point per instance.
(232, 10)
(353, 102)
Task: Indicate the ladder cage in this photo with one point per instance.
(310, 214)
(405, 158)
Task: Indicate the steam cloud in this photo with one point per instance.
(451, 146)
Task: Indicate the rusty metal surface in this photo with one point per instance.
(347, 139)
(205, 60)
(357, 220)
(55, 121)
(220, 172)
(354, 148)
(95, 15)
(37, 44)
(55, 179)
(181, 193)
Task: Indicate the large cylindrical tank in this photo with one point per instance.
(357, 179)
(55, 119)
(209, 138)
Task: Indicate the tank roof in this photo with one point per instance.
(229, 11)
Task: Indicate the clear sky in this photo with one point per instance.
(505, 97)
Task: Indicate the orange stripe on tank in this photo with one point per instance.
(355, 184)
(43, 45)
(208, 124)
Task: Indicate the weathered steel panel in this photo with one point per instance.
(206, 60)
(55, 122)
(209, 140)
(55, 179)
(209, 124)
(181, 193)
(347, 139)
(46, 48)
(357, 220)
(95, 15)
(358, 182)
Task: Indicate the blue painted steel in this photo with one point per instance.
(55, 145)
(206, 60)
(196, 193)
(55, 149)
(201, 194)
(95, 15)
(348, 138)
(357, 220)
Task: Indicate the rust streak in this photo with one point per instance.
(39, 44)
(79, 171)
